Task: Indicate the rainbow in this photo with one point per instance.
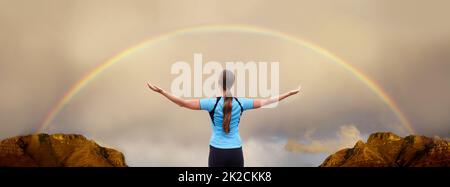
(91, 75)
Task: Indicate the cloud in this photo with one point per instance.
(347, 136)
(270, 152)
(442, 138)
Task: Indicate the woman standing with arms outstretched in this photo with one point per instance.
(225, 113)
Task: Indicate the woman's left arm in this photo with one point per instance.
(257, 103)
(193, 104)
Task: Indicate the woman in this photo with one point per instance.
(225, 112)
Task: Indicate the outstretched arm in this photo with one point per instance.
(193, 104)
(257, 103)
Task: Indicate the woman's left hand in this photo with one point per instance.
(293, 92)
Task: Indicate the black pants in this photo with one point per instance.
(225, 157)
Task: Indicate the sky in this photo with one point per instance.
(48, 45)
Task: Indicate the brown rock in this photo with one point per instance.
(385, 149)
(57, 150)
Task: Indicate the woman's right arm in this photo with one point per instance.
(257, 103)
(193, 104)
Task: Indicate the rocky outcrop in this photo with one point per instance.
(385, 149)
(57, 150)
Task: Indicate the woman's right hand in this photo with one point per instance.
(154, 88)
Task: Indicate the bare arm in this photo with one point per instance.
(257, 103)
(193, 104)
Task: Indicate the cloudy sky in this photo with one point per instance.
(47, 45)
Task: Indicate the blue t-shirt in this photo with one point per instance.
(219, 137)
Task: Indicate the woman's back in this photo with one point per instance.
(219, 137)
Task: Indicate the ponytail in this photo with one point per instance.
(226, 83)
(227, 114)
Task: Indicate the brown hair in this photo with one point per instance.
(226, 82)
